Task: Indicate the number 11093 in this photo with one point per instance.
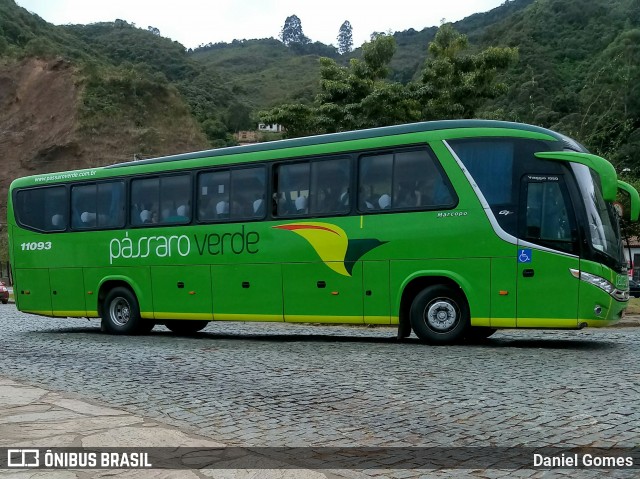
(33, 246)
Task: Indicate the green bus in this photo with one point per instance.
(449, 229)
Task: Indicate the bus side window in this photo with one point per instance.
(248, 190)
(43, 209)
(144, 200)
(175, 199)
(292, 190)
(405, 179)
(417, 182)
(164, 200)
(330, 180)
(83, 206)
(213, 195)
(98, 205)
(374, 182)
(111, 204)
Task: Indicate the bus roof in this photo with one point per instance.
(164, 163)
(347, 136)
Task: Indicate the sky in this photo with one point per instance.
(198, 22)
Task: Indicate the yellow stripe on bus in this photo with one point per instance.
(70, 314)
(163, 315)
(246, 317)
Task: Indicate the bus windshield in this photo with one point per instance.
(603, 222)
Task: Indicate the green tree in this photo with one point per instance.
(238, 117)
(345, 38)
(292, 32)
(357, 96)
(454, 83)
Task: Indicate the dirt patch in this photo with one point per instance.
(40, 132)
(37, 120)
(628, 321)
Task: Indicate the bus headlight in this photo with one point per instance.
(601, 283)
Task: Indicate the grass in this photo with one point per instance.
(634, 306)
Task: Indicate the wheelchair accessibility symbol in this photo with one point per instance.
(524, 255)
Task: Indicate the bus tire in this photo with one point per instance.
(186, 326)
(121, 313)
(478, 333)
(439, 315)
(404, 330)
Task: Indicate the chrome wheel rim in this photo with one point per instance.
(120, 311)
(441, 314)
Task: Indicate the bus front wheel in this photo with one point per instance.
(121, 313)
(439, 315)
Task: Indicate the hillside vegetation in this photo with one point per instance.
(579, 72)
(263, 73)
(122, 90)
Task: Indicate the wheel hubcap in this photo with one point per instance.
(119, 311)
(441, 315)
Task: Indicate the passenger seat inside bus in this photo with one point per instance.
(384, 201)
(145, 216)
(57, 221)
(88, 219)
(183, 211)
(222, 209)
(301, 205)
(258, 208)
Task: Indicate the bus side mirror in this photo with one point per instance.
(629, 201)
(602, 167)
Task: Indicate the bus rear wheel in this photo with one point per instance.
(121, 313)
(186, 326)
(439, 315)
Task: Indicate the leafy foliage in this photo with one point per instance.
(23, 34)
(163, 62)
(265, 72)
(453, 85)
(121, 42)
(577, 73)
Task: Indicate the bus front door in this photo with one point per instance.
(547, 291)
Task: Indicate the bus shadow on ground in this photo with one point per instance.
(501, 342)
(550, 343)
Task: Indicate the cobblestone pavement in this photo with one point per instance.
(274, 384)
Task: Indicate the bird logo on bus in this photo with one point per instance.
(332, 244)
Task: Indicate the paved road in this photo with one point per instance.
(269, 384)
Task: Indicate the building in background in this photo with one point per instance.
(246, 137)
